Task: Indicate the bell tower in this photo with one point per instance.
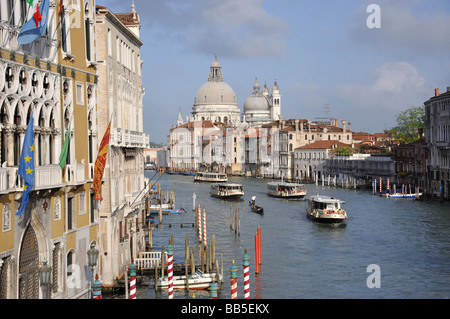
(276, 102)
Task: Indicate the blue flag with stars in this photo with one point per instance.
(26, 165)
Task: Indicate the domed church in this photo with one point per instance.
(260, 107)
(216, 101)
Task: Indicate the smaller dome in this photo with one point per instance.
(256, 101)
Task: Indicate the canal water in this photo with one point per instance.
(402, 246)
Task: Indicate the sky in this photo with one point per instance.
(364, 66)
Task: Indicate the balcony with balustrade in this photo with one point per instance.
(127, 138)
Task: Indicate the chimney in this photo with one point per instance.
(344, 124)
(296, 125)
(280, 121)
(335, 122)
(301, 126)
(436, 92)
(309, 126)
(349, 126)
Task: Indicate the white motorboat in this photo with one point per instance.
(325, 209)
(210, 177)
(197, 281)
(227, 190)
(286, 190)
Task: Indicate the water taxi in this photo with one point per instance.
(197, 281)
(286, 190)
(325, 209)
(210, 177)
(227, 190)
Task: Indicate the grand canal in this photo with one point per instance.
(408, 240)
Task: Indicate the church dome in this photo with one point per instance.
(256, 101)
(215, 93)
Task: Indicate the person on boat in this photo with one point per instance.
(253, 201)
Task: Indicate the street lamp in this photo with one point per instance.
(92, 262)
(44, 277)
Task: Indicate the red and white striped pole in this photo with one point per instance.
(132, 280)
(387, 186)
(233, 271)
(170, 269)
(204, 227)
(199, 223)
(381, 185)
(246, 275)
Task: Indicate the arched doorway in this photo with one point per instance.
(29, 266)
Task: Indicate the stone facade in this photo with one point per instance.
(437, 144)
(122, 213)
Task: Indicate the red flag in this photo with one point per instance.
(37, 16)
(100, 163)
(60, 7)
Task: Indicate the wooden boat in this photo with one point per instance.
(227, 190)
(325, 209)
(256, 208)
(286, 190)
(197, 281)
(210, 177)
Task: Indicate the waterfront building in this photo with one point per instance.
(365, 167)
(204, 145)
(275, 138)
(257, 159)
(410, 164)
(287, 135)
(54, 79)
(120, 100)
(437, 144)
(309, 160)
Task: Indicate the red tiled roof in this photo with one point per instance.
(323, 145)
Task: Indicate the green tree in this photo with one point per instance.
(409, 122)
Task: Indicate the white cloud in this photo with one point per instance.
(397, 77)
(394, 87)
(230, 28)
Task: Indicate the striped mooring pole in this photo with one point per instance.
(170, 269)
(199, 223)
(246, 275)
(381, 185)
(233, 271)
(97, 288)
(204, 227)
(132, 280)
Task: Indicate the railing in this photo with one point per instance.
(127, 138)
(4, 178)
(75, 173)
(150, 260)
(48, 176)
